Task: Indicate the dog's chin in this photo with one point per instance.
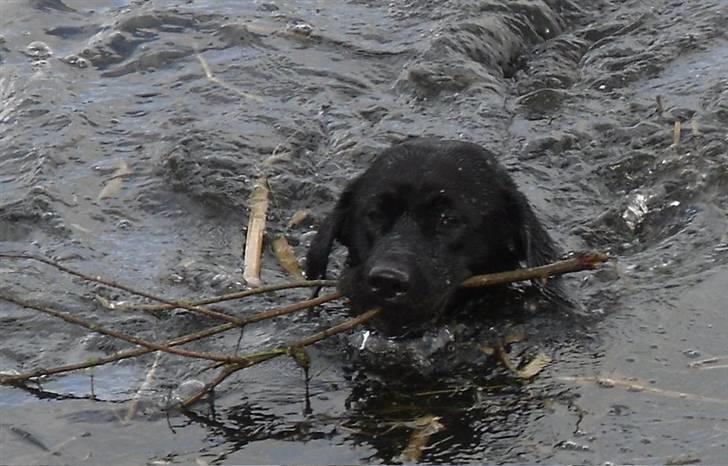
(402, 322)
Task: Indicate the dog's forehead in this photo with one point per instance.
(429, 171)
(459, 189)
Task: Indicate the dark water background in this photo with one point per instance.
(580, 99)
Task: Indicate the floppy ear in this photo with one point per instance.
(317, 258)
(536, 244)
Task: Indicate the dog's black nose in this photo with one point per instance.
(388, 283)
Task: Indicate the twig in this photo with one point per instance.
(210, 76)
(586, 261)
(121, 336)
(609, 382)
(340, 328)
(232, 364)
(134, 405)
(710, 363)
(103, 281)
(226, 372)
(270, 354)
(231, 296)
(676, 133)
(505, 358)
(170, 304)
(9, 379)
(424, 428)
(254, 234)
(114, 184)
(286, 257)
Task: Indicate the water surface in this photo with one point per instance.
(131, 133)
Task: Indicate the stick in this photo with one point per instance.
(231, 363)
(169, 304)
(226, 372)
(607, 382)
(586, 261)
(274, 353)
(425, 427)
(209, 75)
(10, 379)
(143, 388)
(340, 328)
(94, 327)
(676, 133)
(287, 257)
(231, 296)
(254, 236)
(198, 310)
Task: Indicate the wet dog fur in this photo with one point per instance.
(426, 215)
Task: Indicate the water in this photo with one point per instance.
(131, 133)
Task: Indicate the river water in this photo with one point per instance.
(131, 133)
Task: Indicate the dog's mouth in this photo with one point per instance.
(403, 315)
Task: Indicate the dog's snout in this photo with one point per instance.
(388, 283)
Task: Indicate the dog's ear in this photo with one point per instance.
(537, 247)
(317, 258)
(537, 244)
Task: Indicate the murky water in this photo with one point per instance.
(131, 133)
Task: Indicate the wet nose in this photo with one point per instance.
(388, 283)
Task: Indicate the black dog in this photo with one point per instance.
(425, 216)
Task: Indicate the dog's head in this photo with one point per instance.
(425, 216)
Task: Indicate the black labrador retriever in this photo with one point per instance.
(426, 215)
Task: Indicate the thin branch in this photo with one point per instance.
(9, 379)
(252, 257)
(586, 261)
(274, 353)
(226, 372)
(336, 329)
(609, 382)
(232, 296)
(121, 336)
(210, 76)
(141, 391)
(169, 303)
(232, 364)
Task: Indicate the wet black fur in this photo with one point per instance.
(434, 213)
